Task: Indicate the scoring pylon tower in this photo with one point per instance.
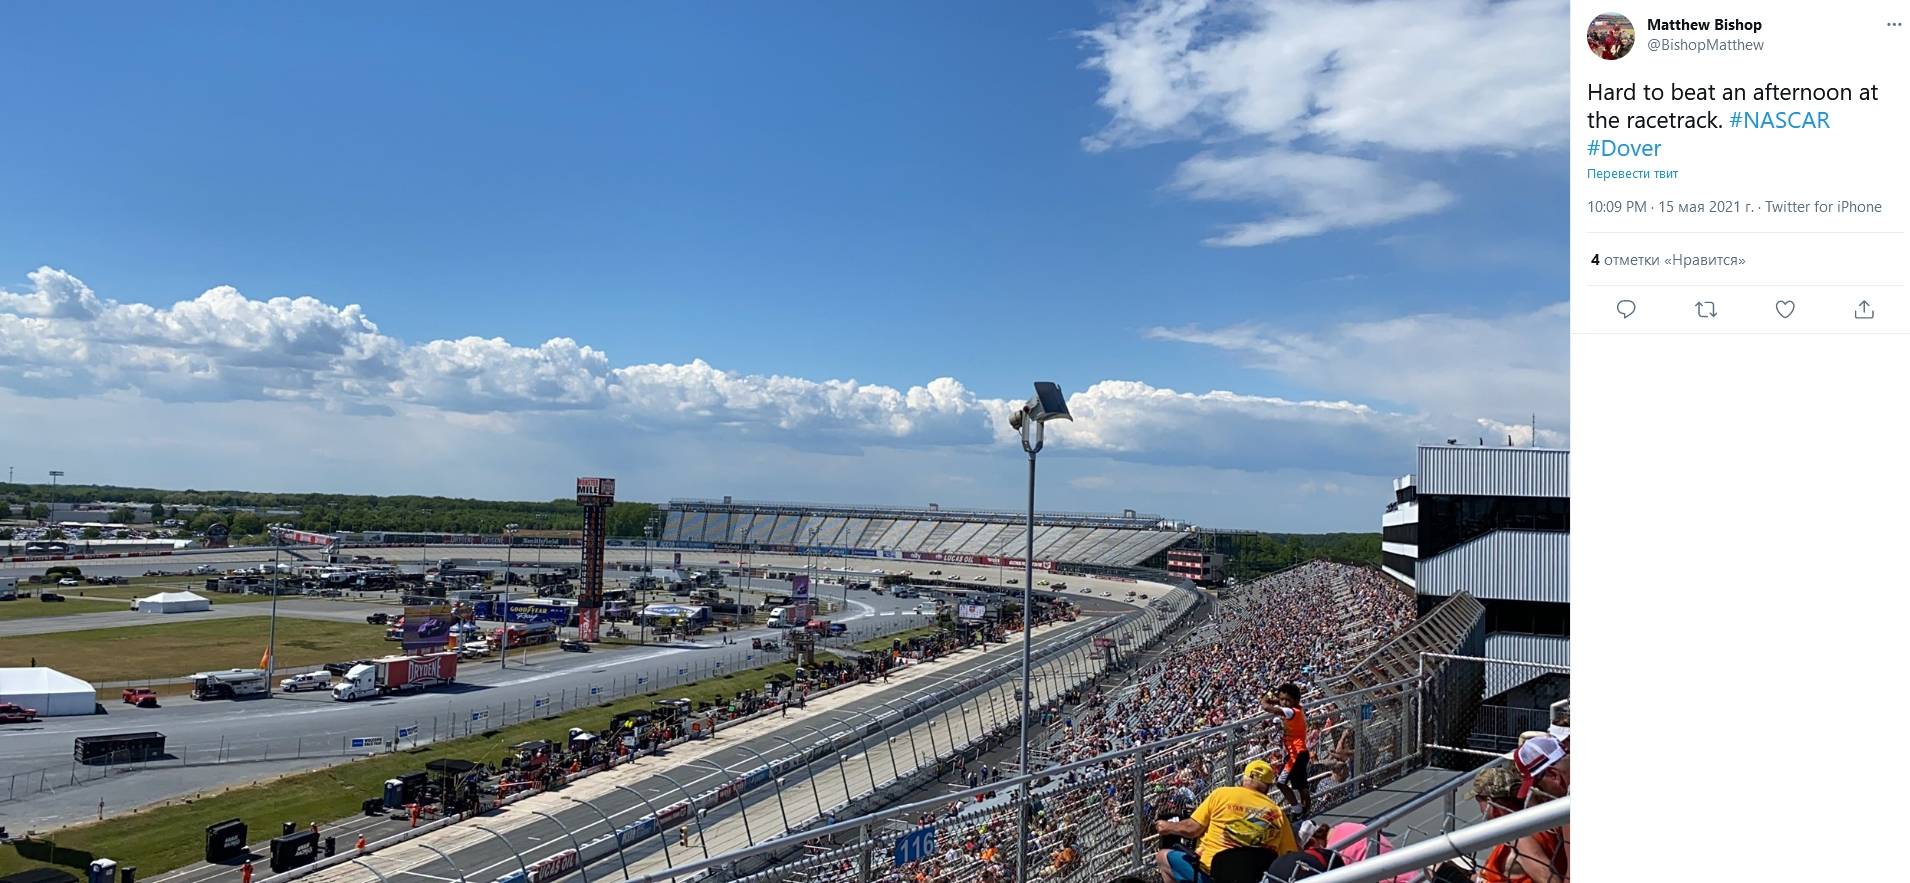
(595, 495)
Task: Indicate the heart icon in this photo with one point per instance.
(1785, 308)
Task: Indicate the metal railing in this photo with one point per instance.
(849, 750)
(1105, 807)
(1131, 770)
(1096, 811)
(452, 722)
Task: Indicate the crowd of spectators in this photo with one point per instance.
(1304, 626)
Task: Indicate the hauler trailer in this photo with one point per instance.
(396, 674)
(119, 748)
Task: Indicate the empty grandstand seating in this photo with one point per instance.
(935, 534)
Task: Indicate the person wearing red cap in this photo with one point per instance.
(1545, 769)
(1544, 857)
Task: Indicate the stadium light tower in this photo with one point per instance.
(1047, 404)
(504, 634)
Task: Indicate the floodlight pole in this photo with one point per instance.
(504, 634)
(1027, 650)
(272, 633)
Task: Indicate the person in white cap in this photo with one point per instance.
(1545, 769)
(1543, 857)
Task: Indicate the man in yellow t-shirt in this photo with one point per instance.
(1232, 816)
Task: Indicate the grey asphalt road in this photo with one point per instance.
(977, 576)
(661, 782)
(297, 725)
(116, 614)
(285, 725)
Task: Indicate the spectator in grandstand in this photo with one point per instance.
(1561, 728)
(1232, 817)
(1544, 857)
(1284, 703)
(1313, 857)
(1545, 769)
(1341, 838)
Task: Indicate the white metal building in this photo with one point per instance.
(1495, 523)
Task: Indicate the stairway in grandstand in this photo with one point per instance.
(1448, 628)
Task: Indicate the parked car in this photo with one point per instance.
(139, 697)
(69, 581)
(17, 714)
(52, 596)
(572, 645)
(339, 668)
(378, 618)
(311, 680)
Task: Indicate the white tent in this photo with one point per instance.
(173, 602)
(47, 691)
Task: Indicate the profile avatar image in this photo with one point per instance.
(1610, 36)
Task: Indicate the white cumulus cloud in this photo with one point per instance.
(1324, 109)
(223, 346)
(1452, 371)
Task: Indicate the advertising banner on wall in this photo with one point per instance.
(971, 612)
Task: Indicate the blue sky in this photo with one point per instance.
(1221, 203)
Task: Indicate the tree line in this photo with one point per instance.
(248, 512)
(1252, 555)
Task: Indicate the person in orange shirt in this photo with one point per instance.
(1296, 772)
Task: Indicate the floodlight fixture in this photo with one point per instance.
(1047, 404)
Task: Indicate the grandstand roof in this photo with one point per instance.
(926, 534)
(1051, 517)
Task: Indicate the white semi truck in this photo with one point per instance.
(396, 674)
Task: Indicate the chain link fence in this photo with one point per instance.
(454, 721)
(853, 766)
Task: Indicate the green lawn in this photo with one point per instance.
(103, 599)
(883, 643)
(174, 649)
(34, 608)
(174, 836)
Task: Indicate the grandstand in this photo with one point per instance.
(961, 536)
(1149, 747)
